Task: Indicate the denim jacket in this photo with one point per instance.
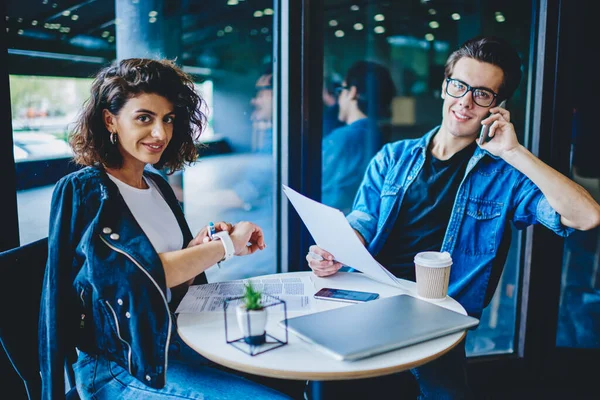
(104, 289)
(491, 193)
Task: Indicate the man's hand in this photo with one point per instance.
(503, 138)
(325, 267)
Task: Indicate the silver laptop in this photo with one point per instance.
(361, 330)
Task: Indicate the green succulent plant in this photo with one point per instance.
(252, 298)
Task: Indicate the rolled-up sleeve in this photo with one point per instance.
(531, 207)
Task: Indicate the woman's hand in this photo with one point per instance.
(202, 236)
(325, 267)
(247, 238)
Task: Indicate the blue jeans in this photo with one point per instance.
(444, 378)
(189, 376)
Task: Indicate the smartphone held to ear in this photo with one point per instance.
(484, 135)
(349, 296)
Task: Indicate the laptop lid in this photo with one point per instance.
(366, 329)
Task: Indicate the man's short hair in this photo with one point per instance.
(374, 86)
(495, 51)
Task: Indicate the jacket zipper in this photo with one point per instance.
(161, 294)
(82, 322)
(120, 338)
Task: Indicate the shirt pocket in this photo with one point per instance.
(480, 226)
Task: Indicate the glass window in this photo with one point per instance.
(579, 307)
(406, 45)
(226, 46)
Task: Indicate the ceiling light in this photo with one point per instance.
(228, 29)
(434, 24)
(429, 37)
(379, 17)
(354, 7)
(220, 33)
(152, 20)
(264, 30)
(232, 2)
(333, 22)
(268, 11)
(20, 31)
(19, 20)
(66, 13)
(379, 29)
(74, 17)
(456, 16)
(358, 26)
(34, 22)
(432, 11)
(105, 34)
(339, 33)
(111, 39)
(152, 14)
(500, 18)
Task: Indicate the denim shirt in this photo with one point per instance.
(104, 289)
(491, 193)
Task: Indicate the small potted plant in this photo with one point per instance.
(252, 316)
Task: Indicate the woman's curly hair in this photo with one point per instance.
(113, 86)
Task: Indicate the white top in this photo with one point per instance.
(153, 214)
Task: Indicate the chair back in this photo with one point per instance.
(22, 271)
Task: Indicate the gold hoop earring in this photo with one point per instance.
(113, 138)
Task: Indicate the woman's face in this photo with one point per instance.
(144, 127)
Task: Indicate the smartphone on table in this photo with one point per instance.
(349, 296)
(484, 135)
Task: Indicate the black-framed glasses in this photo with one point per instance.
(481, 96)
(340, 88)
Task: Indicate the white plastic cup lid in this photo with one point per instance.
(433, 259)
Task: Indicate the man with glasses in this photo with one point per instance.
(364, 100)
(447, 191)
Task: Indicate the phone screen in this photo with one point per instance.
(351, 296)
(484, 136)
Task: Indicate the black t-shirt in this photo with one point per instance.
(425, 212)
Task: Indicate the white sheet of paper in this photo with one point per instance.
(296, 292)
(332, 232)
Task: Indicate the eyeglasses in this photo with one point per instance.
(482, 97)
(339, 89)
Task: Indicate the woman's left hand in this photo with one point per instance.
(202, 236)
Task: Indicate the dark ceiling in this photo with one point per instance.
(221, 34)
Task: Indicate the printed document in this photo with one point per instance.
(332, 232)
(297, 292)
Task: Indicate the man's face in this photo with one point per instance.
(263, 100)
(344, 101)
(461, 117)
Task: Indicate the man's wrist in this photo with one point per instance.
(513, 155)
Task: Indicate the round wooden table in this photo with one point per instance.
(299, 360)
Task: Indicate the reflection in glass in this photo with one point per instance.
(579, 307)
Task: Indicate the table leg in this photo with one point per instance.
(314, 390)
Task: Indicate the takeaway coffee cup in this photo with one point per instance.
(433, 274)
